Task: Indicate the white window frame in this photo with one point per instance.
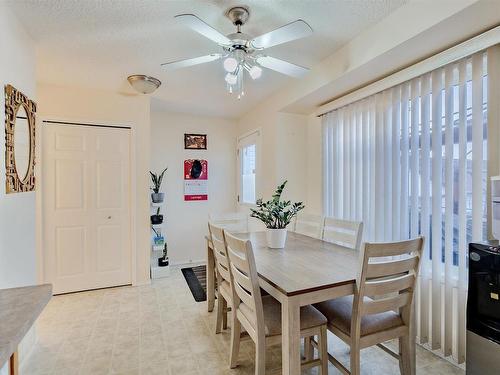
(244, 140)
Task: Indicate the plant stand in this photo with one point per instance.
(157, 249)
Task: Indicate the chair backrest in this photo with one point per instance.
(390, 283)
(309, 225)
(343, 232)
(245, 285)
(220, 253)
(232, 221)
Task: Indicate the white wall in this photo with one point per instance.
(407, 35)
(291, 151)
(95, 106)
(186, 222)
(17, 211)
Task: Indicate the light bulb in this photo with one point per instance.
(230, 64)
(255, 72)
(231, 78)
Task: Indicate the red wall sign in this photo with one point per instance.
(195, 180)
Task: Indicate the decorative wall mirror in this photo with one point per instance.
(19, 141)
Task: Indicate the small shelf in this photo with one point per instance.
(157, 253)
(157, 248)
(159, 272)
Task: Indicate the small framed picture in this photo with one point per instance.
(195, 141)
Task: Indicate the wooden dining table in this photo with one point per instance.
(306, 271)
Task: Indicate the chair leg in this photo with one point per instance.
(224, 314)
(308, 348)
(404, 355)
(355, 360)
(323, 351)
(220, 312)
(235, 340)
(260, 356)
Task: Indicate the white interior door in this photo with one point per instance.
(86, 207)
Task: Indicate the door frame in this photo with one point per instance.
(39, 251)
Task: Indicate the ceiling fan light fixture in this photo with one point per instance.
(230, 64)
(143, 84)
(255, 72)
(242, 52)
(231, 79)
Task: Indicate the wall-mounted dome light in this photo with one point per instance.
(144, 84)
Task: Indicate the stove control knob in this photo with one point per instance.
(475, 257)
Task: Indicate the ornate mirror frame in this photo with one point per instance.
(14, 99)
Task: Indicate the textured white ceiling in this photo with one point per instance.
(98, 43)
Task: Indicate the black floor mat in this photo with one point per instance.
(196, 280)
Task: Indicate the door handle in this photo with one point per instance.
(109, 217)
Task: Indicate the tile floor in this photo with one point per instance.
(160, 329)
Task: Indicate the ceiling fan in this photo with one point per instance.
(240, 51)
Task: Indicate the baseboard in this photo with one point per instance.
(193, 263)
(440, 354)
(142, 283)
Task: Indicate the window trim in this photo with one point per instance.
(251, 137)
(469, 47)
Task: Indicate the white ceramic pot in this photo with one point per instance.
(157, 197)
(276, 238)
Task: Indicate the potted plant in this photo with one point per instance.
(163, 260)
(157, 218)
(158, 239)
(276, 215)
(156, 196)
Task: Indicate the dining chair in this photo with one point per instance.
(309, 225)
(261, 316)
(232, 221)
(223, 279)
(381, 308)
(343, 232)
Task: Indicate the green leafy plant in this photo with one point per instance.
(157, 179)
(157, 234)
(275, 213)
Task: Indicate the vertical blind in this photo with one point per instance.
(410, 161)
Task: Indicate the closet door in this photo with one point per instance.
(86, 207)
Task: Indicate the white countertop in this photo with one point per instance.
(19, 308)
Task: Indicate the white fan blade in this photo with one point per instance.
(281, 66)
(295, 30)
(193, 22)
(190, 62)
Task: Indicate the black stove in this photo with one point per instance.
(483, 310)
